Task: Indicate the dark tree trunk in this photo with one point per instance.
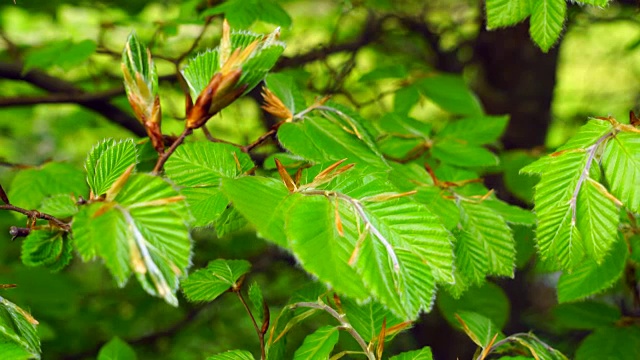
(516, 78)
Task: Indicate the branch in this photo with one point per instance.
(165, 156)
(34, 214)
(60, 87)
(344, 324)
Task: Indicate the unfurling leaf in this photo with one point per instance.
(18, 334)
(217, 78)
(141, 85)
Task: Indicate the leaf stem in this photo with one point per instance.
(35, 214)
(363, 215)
(263, 354)
(344, 324)
(165, 156)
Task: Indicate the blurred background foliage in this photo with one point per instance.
(62, 93)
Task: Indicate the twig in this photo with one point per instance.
(263, 354)
(344, 324)
(260, 140)
(165, 156)
(211, 138)
(34, 214)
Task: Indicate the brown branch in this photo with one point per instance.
(165, 156)
(34, 214)
(263, 355)
(54, 85)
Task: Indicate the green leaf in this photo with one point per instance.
(314, 239)
(476, 130)
(520, 185)
(479, 328)
(199, 169)
(597, 219)
(511, 213)
(107, 161)
(219, 276)
(30, 187)
(287, 91)
(621, 162)
(199, 71)
(590, 278)
(141, 231)
(64, 54)
(422, 354)
(586, 315)
(620, 343)
(321, 139)
(488, 300)
(116, 349)
(450, 93)
(232, 355)
(13, 351)
(461, 154)
(47, 248)
(494, 236)
(385, 72)
(263, 202)
(595, 2)
(18, 331)
(404, 99)
(444, 208)
(502, 13)
(319, 344)
(257, 301)
(139, 65)
(403, 126)
(243, 13)
(547, 20)
(60, 205)
(367, 318)
(538, 349)
(558, 236)
(229, 221)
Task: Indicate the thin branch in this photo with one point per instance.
(34, 214)
(61, 98)
(165, 156)
(14, 71)
(344, 324)
(263, 354)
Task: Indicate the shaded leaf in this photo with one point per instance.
(450, 93)
(218, 277)
(116, 349)
(319, 344)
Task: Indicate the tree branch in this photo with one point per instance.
(64, 88)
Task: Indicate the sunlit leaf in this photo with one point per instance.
(18, 334)
(547, 20)
(319, 344)
(107, 161)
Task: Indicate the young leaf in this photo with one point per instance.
(18, 334)
(199, 168)
(460, 154)
(547, 20)
(620, 343)
(232, 355)
(319, 248)
(322, 139)
(257, 301)
(451, 94)
(116, 349)
(47, 248)
(590, 278)
(287, 91)
(478, 130)
(422, 354)
(200, 70)
(367, 318)
(319, 344)
(621, 162)
(219, 276)
(60, 206)
(479, 328)
(502, 13)
(107, 161)
(586, 315)
(31, 186)
(263, 202)
(488, 300)
(141, 231)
